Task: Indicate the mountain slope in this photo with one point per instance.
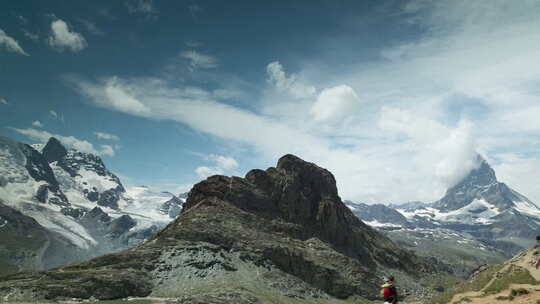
(478, 207)
(514, 281)
(82, 208)
(276, 236)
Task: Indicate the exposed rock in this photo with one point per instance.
(282, 232)
(97, 213)
(172, 207)
(109, 198)
(121, 225)
(54, 150)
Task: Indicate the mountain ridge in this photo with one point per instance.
(82, 207)
(281, 234)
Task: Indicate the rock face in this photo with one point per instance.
(272, 236)
(16, 252)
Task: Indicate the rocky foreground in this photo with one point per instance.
(281, 235)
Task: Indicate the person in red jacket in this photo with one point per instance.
(388, 291)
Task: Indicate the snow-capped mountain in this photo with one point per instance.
(479, 205)
(479, 220)
(77, 207)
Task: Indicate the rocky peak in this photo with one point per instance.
(481, 176)
(295, 190)
(54, 150)
(480, 184)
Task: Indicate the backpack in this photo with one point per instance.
(386, 291)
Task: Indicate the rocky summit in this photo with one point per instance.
(280, 235)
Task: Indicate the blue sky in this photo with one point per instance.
(394, 97)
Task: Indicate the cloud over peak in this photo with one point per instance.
(62, 38)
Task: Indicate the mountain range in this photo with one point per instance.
(61, 205)
(280, 235)
(479, 218)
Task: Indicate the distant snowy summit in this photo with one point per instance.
(76, 206)
(479, 206)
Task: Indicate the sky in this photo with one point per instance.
(395, 98)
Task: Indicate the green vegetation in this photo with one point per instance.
(476, 284)
(518, 292)
(515, 275)
(513, 293)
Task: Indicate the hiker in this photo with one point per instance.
(388, 291)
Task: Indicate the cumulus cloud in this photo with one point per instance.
(107, 136)
(290, 84)
(204, 171)
(3, 101)
(199, 60)
(62, 38)
(458, 154)
(335, 104)
(37, 123)
(10, 44)
(222, 164)
(70, 141)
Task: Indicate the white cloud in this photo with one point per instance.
(3, 101)
(10, 44)
(462, 85)
(204, 172)
(141, 7)
(70, 141)
(223, 164)
(290, 84)
(107, 136)
(458, 155)
(199, 60)
(37, 123)
(62, 38)
(335, 104)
